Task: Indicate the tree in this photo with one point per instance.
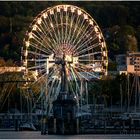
(132, 43)
(138, 36)
(2, 62)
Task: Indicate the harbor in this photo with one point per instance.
(69, 71)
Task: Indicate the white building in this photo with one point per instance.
(133, 62)
(128, 63)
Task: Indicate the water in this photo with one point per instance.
(37, 135)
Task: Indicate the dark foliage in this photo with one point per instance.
(16, 16)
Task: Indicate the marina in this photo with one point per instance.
(70, 80)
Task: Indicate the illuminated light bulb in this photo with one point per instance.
(75, 60)
(30, 35)
(96, 29)
(27, 43)
(51, 25)
(85, 16)
(26, 53)
(103, 44)
(99, 36)
(90, 22)
(104, 53)
(51, 12)
(25, 63)
(44, 15)
(36, 73)
(39, 29)
(65, 8)
(34, 27)
(58, 9)
(72, 10)
(68, 58)
(39, 21)
(105, 63)
(79, 12)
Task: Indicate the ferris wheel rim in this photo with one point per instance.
(36, 58)
(54, 7)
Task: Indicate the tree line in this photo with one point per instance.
(119, 22)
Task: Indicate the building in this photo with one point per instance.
(128, 63)
(133, 63)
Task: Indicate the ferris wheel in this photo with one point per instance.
(63, 34)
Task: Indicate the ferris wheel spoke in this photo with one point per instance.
(82, 76)
(66, 22)
(71, 87)
(74, 74)
(81, 30)
(69, 22)
(41, 47)
(76, 89)
(44, 39)
(38, 54)
(84, 67)
(85, 41)
(53, 74)
(33, 46)
(8, 93)
(76, 25)
(57, 89)
(87, 74)
(42, 76)
(88, 60)
(54, 31)
(61, 22)
(36, 60)
(49, 48)
(45, 75)
(49, 31)
(70, 28)
(57, 26)
(54, 95)
(38, 66)
(89, 54)
(76, 80)
(88, 48)
(51, 87)
(77, 28)
(41, 32)
(40, 71)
